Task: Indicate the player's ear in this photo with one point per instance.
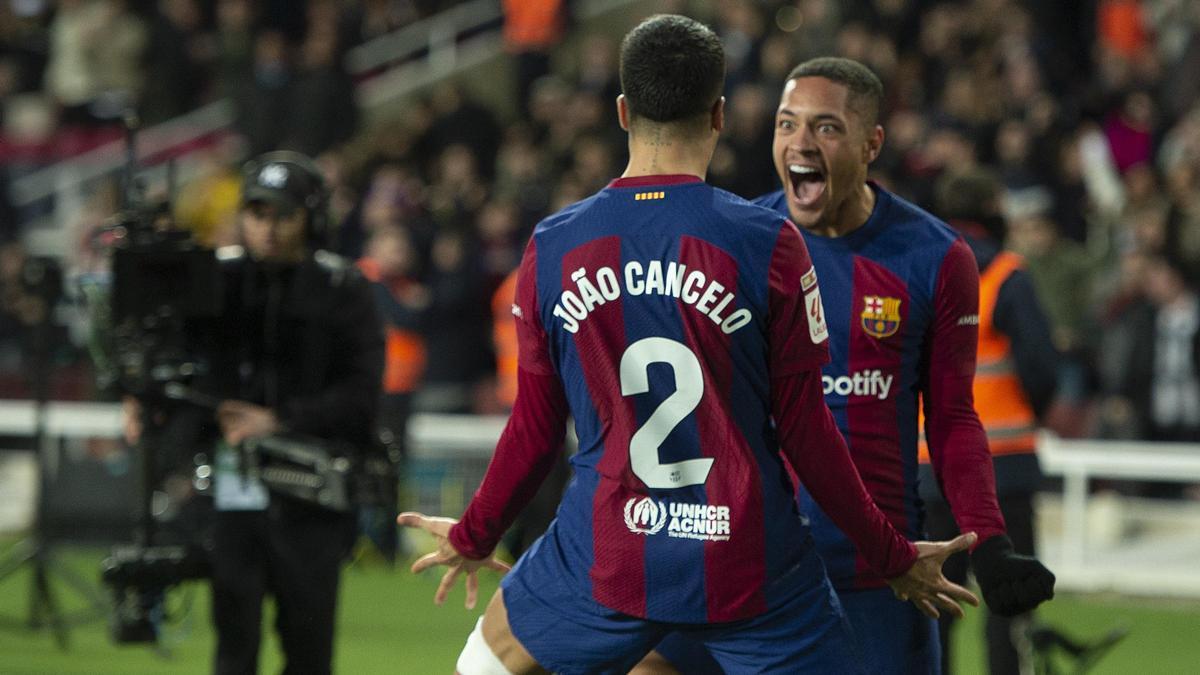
(874, 144)
(718, 115)
(623, 112)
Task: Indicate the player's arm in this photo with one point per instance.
(958, 448)
(811, 443)
(524, 455)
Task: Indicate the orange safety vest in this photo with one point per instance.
(504, 335)
(532, 24)
(404, 350)
(1000, 401)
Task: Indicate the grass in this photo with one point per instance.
(388, 624)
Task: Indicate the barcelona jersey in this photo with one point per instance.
(901, 302)
(664, 307)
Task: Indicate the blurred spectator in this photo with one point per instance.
(459, 120)
(522, 177)
(1130, 130)
(458, 326)
(403, 303)
(501, 240)
(1157, 366)
(235, 45)
(741, 27)
(531, 30)
(1061, 271)
(747, 139)
(598, 68)
(176, 54)
(262, 95)
(457, 191)
(95, 52)
(322, 112)
(208, 204)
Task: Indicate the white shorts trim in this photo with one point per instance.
(477, 657)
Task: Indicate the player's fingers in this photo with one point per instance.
(443, 590)
(435, 525)
(948, 605)
(425, 562)
(927, 608)
(498, 565)
(960, 543)
(472, 589)
(956, 592)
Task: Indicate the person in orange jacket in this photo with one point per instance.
(1015, 382)
(403, 305)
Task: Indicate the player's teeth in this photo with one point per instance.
(796, 168)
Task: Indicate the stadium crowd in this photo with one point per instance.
(1088, 112)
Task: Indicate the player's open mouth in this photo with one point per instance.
(808, 183)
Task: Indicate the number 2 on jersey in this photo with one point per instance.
(689, 389)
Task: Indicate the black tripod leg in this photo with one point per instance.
(98, 603)
(43, 601)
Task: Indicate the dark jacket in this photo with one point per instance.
(1135, 362)
(1018, 315)
(304, 340)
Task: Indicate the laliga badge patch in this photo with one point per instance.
(880, 316)
(817, 328)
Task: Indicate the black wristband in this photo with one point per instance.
(988, 554)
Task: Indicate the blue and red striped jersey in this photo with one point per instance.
(655, 296)
(664, 307)
(901, 300)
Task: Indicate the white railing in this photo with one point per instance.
(431, 436)
(1156, 566)
(1164, 567)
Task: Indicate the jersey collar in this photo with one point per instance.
(661, 179)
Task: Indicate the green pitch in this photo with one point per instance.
(388, 624)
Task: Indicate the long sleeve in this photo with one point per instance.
(958, 445)
(524, 456)
(533, 437)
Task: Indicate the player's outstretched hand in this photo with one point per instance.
(449, 556)
(926, 586)
(1011, 583)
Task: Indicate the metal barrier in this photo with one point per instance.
(450, 452)
(1163, 567)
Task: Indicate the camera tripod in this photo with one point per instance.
(36, 551)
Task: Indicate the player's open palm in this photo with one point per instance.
(926, 586)
(449, 556)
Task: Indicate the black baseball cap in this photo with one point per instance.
(279, 180)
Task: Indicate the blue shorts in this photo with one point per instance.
(895, 637)
(568, 632)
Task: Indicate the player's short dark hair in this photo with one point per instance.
(672, 69)
(866, 91)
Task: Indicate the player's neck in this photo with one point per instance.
(851, 214)
(653, 154)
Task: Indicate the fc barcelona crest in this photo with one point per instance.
(880, 316)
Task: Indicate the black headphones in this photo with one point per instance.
(298, 177)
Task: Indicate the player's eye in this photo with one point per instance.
(786, 125)
(827, 128)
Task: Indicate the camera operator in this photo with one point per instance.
(298, 349)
